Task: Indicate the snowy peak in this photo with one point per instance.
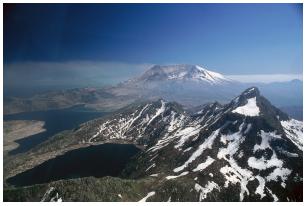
(251, 92)
(251, 103)
(247, 146)
(219, 151)
(247, 103)
(183, 72)
(209, 75)
(250, 108)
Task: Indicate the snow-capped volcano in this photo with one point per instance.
(193, 85)
(183, 72)
(189, 85)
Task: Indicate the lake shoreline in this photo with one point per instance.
(55, 121)
(35, 160)
(83, 160)
(19, 129)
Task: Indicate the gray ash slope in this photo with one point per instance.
(247, 150)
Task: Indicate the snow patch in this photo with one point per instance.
(47, 194)
(266, 137)
(56, 198)
(263, 164)
(205, 164)
(173, 177)
(175, 122)
(234, 173)
(205, 145)
(150, 194)
(118, 128)
(209, 187)
(294, 131)
(153, 165)
(249, 109)
(283, 173)
(185, 134)
(273, 195)
(230, 175)
(261, 187)
(240, 155)
(158, 112)
(186, 150)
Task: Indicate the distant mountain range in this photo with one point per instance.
(245, 150)
(189, 85)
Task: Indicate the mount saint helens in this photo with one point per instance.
(246, 150)
(189, 85)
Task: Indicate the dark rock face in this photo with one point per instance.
(246, 150)
(241, 146)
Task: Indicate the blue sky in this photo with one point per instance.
(236, 39)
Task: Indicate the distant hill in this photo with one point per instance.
(295, 112)
(189, 85)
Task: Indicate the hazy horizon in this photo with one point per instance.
(100, 74)
(67, 45)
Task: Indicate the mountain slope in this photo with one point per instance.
(243, 146)
(246, 150)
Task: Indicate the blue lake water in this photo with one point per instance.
(98, 161)
(55, 122)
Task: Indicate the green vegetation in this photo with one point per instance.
(85, 189)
